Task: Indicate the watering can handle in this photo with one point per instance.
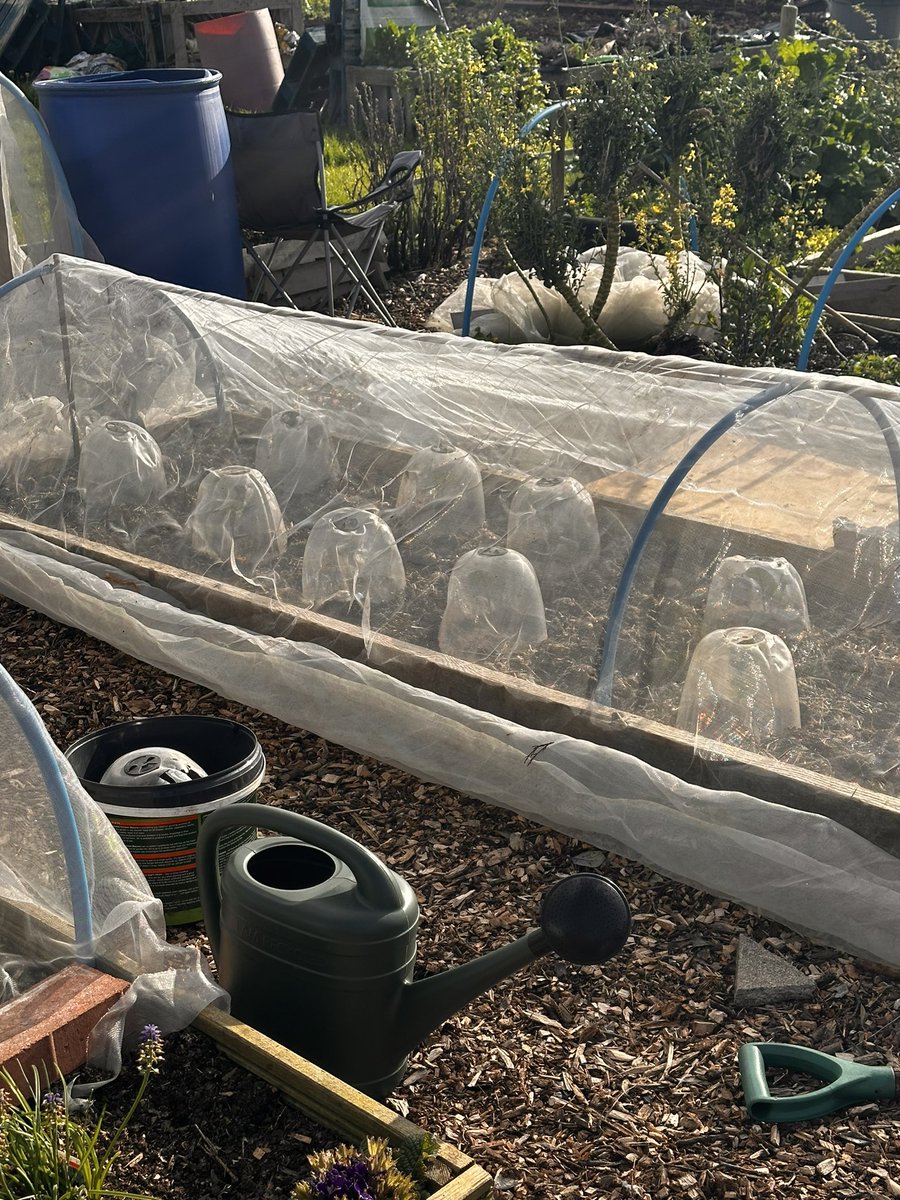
(845, 1082)
(377, 883)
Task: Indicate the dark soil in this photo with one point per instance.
(207, 1128)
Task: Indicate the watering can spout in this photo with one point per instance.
(426, 1004)
(584, 918)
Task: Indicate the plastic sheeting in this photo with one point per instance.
(515, 309)
(436, 437)
(37, 215)
(64, 869)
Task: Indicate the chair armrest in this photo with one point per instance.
(402, 168)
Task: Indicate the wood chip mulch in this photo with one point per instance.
(618, 1081)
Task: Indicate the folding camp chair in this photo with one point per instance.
(280, 178)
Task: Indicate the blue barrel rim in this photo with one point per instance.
(161, 80)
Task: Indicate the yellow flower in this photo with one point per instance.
(725, 207)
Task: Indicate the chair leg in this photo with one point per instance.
(329, 275)
(372, 246)
(335, 248)
(363, 283)
(265, 272)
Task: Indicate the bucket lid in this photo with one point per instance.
(227, 751)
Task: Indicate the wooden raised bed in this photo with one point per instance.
(868, 292)
(329, 1101)
(871, 814)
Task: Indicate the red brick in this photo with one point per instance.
(48, 1025)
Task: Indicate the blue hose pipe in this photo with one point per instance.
(38, 272)
(606, 670)
(822, 299)
(493, 188)
(44, 752)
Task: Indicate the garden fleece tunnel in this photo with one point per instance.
(146, 500)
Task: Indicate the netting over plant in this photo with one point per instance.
(69, 891)
(403, 499)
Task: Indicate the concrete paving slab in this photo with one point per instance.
(762, 977)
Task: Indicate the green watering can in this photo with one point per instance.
(315, 940)
(845, 1082)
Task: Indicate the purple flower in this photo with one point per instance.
(346, 1181)
(150, 1051)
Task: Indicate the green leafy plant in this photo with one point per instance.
(847, 98)
(46, 1153)
(415, 1157)
(886, 260)
(391, 45)
(372, 1173)
(315, 12)
(885, 368)
(461, 98)
(746, 158)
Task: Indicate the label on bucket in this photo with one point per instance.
(165, 848)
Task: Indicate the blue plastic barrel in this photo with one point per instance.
(148, 160)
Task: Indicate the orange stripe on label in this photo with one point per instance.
(168, 854)
(142, 824)
(167, 870)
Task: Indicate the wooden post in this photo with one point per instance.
(175, 10)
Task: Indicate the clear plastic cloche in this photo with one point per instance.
(120, 467)
(494, 606)
(35, 441)
(237, 519)
(741, 688)
(295, 454)
(766, 593)
(440, 498)
(351, 557)
(553, 523)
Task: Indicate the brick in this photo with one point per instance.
(48, 1025)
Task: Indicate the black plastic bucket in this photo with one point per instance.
(160, 823)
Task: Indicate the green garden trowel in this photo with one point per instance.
(845, 1082)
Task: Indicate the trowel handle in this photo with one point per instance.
(377, 883)
(845, 1082)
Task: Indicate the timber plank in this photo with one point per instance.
(731, 488)
(875, 241)
(343, 1108)
(866, 292)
